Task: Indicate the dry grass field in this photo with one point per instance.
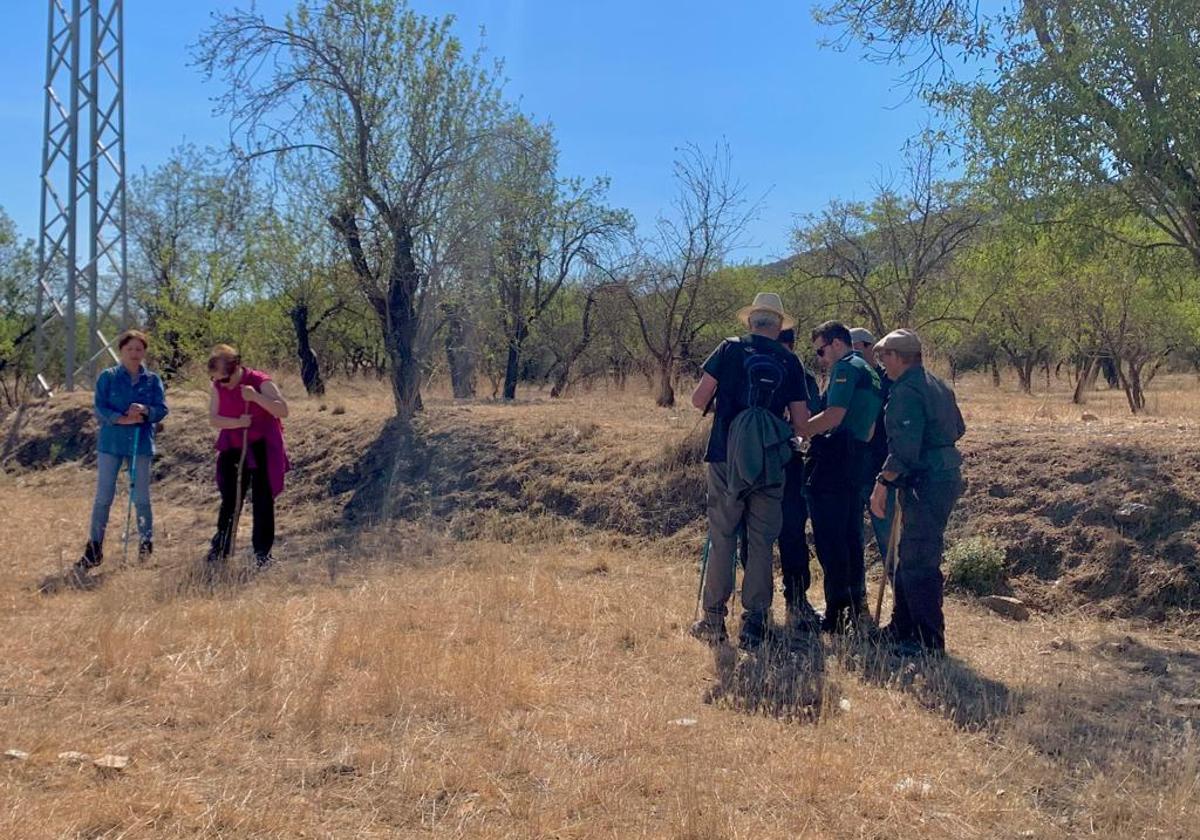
(518, 667)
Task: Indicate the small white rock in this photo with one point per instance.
(17, 755)
(844, 704)
(910, 786)
(684, 722)
(112, 762)
(73, 757)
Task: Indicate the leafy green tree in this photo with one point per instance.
(542, 232)
(18, 273)
(1020, 271)
(1059, 97)
(193, 225)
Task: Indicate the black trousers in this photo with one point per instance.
(793, 542)
(838, 538)
(254, 480)
(918, 611)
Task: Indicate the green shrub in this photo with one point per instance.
(977, 565)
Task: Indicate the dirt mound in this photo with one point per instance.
(1104, 521)
(1091, 520)
(448, 467)
(48, 433)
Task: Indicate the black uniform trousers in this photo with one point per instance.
(835, 505)
(257, 481)
(918, 611)
(838, 538)
(793, 542)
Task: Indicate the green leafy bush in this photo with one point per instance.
(977, 565)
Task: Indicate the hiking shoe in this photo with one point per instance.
(145, 549)
(218, 548)
(859, 616)
(913, 649)
(709, 632)
(890, 634)
(836, 622)
(79, 577)
(803, 618)
(93, 556)
(754, 630)
(261, 561)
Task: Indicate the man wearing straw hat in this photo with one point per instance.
(755, 381)
(924, 467)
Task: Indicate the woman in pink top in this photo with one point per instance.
(246, 406)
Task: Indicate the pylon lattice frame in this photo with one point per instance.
(82, 254)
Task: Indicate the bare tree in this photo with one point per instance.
(894, 258)
(670, 293)
(390, 101)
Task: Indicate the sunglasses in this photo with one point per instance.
(821, 351)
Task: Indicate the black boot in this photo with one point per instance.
(145, 549)
(754, 631)
(710, 631)
(79, 576)
(93, 556)
(216, 550)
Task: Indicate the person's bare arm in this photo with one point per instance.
(798, 415)
(822, 422)
(270, 398)
(704, 391)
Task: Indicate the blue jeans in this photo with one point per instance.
(108, 469)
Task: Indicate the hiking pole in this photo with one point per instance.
(892, 562)
(703, 574)
(137, 431)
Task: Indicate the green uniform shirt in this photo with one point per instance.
(923, 422)
(854, 386)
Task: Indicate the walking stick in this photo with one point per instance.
(892, 561)
(703, 574)
(231, 543)
(137, 431)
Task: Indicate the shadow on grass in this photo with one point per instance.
(942, 684)
(1127, 704)
(785, 678)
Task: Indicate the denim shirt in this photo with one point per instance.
(116, 390)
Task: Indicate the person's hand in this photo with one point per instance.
(249, 394)
(138, 408)
(243, 422)
(879, 501)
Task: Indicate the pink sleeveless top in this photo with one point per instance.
(263, 427)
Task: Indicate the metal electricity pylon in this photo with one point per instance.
(81, 244)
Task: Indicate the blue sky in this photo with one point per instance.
(624, 83)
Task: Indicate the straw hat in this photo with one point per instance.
(766, 302)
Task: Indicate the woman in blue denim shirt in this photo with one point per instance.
(129, 402)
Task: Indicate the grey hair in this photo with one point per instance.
(764, 320)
